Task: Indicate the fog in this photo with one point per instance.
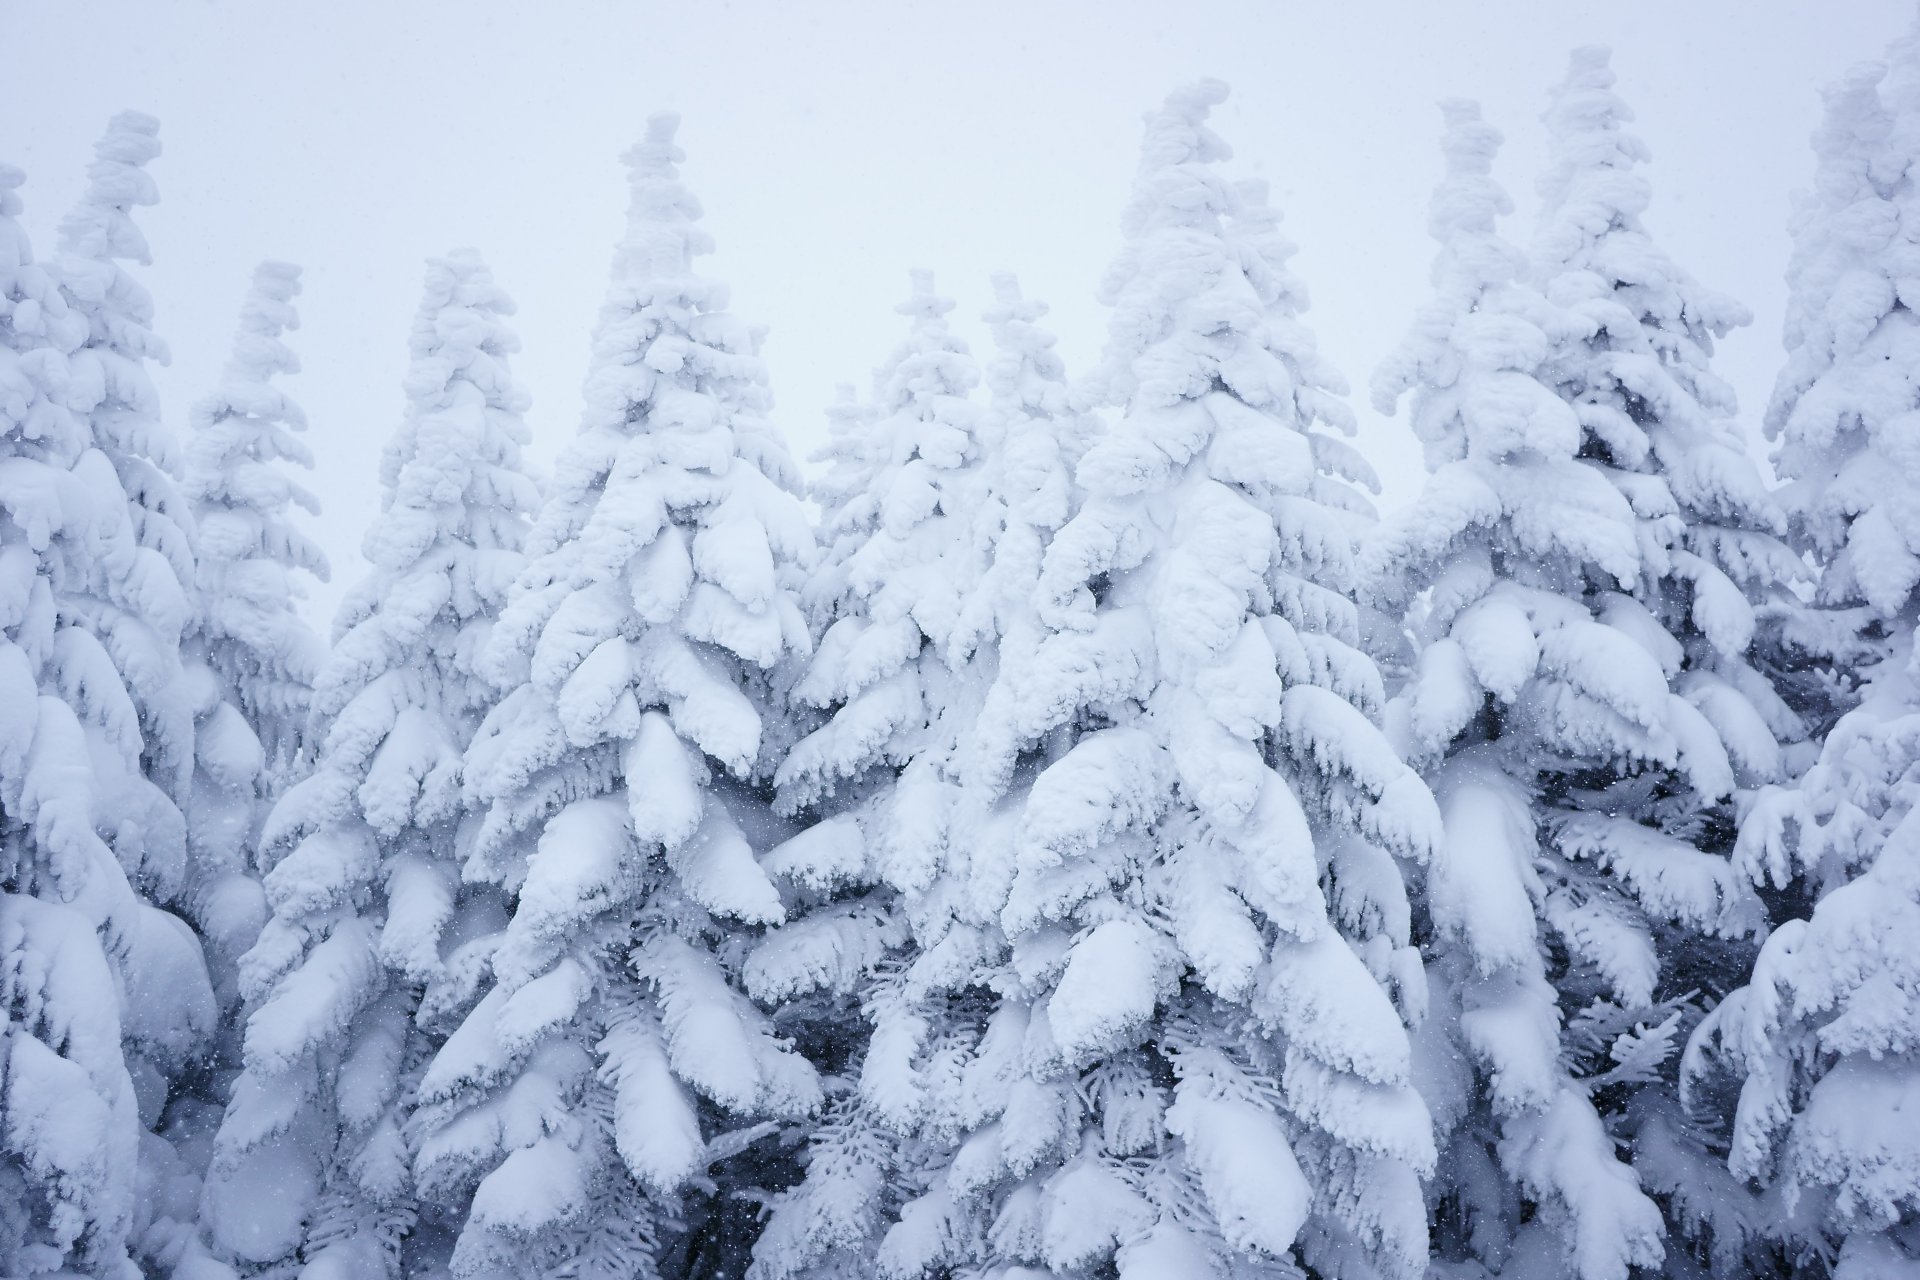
(836, 145)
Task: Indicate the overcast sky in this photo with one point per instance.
(837, 144)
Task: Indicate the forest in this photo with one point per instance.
(1070, 830)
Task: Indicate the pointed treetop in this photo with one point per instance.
(452, 323)
(1591, 58)
(1170, 189)
(1006, 288)
(1584, 104)
(1854, 124)
(1012, 319)
(1469, 199)
(656, 156)
(11, 178)
(923, 303)
(1464, 218)
(266, 313)
(1026, 375)
(661, 240)
(99, 226)
(462, 422)
(1588, 185)
(1012, 311)
(1177, 133)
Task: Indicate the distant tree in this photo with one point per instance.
(1548, 706)
(250, 657)
(250, 632)
(1129, 1032)
(1660, 425)
(1814, 1064)
(106, 996)
(612, 1064)
(359, 973)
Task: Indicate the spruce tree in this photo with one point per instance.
(919, 509)
(1578, 700)
(1660, 424)
(359, 972)
(144, 604)
(612, 1060)
(1213, 830)
(250, 634)
(249, 655)
(106, 995)
(1814, 1064)
(886, 592)
(1148, 1019)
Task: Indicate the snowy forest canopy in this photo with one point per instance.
(1069, 833)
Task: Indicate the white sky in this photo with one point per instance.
(837, 144)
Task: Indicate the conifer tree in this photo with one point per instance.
(941, 535)
(1027, 491)
(249, 655)
(1572, 628)
(1131, 1033)
(355, 978)
(106, 996)
(250, 633)
(138, 605)
(1823, 1042)
(886, 592)
(144, 603)
(1660, 425)
(612, 1059)
(875, 773)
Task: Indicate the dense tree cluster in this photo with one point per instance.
(1089, 841)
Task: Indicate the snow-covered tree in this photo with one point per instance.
(250, 632)
(612, 1058)
(1208, 845)
(106, 996)
(1660, 425)
(888, 591)
(1579, 701)
(1026, 491)
(1823, 1043)
(936, 516)
(143, 601)
(1149, 1020)
(353, 981)
(249, 654)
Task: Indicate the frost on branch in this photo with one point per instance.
(617, 796)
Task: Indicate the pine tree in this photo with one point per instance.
(1129, 1033)
(106, 995)
(1823, 1043)
(250, 633)
(1659, 424)
(936, 513)
(575, 1111)
(146, 608)
(1579, 701)
(355, 977)
(874, 773)
(249, 655)
(886, 592)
